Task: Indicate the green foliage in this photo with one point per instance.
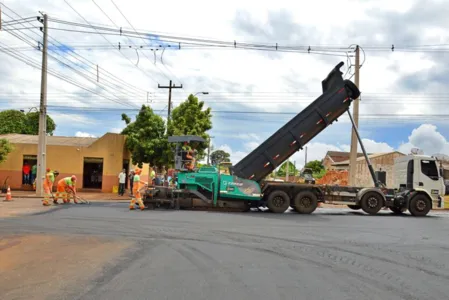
(145, 138)
(189, 118)
(219, 156)
(5, 149)
(315, 165)
(32, 124)
(320, 174)
(14, 121)
(283, 169)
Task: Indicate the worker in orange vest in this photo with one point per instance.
(66, 186)
(138, 186)
(48, 185)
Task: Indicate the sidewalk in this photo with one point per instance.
(87, 196)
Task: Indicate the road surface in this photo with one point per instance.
(331, 254)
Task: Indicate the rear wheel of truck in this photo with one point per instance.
(354, 207)
(278, 201)
(371, 203)
(305, 202)
(419, 205)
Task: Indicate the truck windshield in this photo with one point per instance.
(429, 168)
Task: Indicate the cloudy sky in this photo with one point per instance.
(252, 93)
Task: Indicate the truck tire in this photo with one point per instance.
(354, 207)
(371, 203)
(278, 201)
(419, 205)
(305, 202)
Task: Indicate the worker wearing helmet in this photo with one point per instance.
(138, 186)
(48, 185)
(66, 186)
(190, 159)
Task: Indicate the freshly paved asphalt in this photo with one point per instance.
(331, 254)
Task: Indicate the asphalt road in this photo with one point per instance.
(331, 254)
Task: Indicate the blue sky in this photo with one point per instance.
(402, 91)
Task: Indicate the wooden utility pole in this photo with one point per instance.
(42, 142)
(355, 114)
(169, 87)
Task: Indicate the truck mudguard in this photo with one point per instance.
(335, 100)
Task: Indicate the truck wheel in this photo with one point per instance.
(354, 207)
(371, 203)
(278, 201)
(398, 210)
(305, 202)
(419, 205)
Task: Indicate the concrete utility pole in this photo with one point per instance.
(305, 159)
(42, 144)
(287, 170)
(169, 87)
(355, 115)
(208, 151)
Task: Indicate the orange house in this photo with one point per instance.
(95, 161)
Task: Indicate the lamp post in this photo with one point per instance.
(204, 93)
(35, 108)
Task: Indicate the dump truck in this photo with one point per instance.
(244, 186)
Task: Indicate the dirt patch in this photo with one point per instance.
(41, 266)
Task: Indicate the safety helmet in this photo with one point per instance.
(73, 178)
(137, 171)
(48, 169)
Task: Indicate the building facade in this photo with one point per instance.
(379, 161)
(333, 157)
(96, 162)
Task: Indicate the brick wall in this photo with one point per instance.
(385, 162)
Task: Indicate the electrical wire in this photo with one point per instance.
(109, 42)
(75, 55)
(120, 101)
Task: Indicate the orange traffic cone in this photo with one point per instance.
(8, 195)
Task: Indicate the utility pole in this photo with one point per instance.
(42, 143)
(169, 87)
(305, 160)
(208, 151)
(287, 170)
(355, 114)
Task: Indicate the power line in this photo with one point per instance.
(108, 74)
(78, 72)
(109, 42)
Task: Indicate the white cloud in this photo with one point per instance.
(84, 134)
(371, 146)
(427, 138)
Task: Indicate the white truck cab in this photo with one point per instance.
(420, 173)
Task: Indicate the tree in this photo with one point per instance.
(14, 121)
(283, 169)
(5, 149)
(32, 124)
(219, 156)
(189, 118)
(145, 138)
(315, 165)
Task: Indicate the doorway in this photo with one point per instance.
(29, 161)
(92, 173)
(126, 167)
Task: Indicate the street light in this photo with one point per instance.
(37, 110)
(204, 93)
